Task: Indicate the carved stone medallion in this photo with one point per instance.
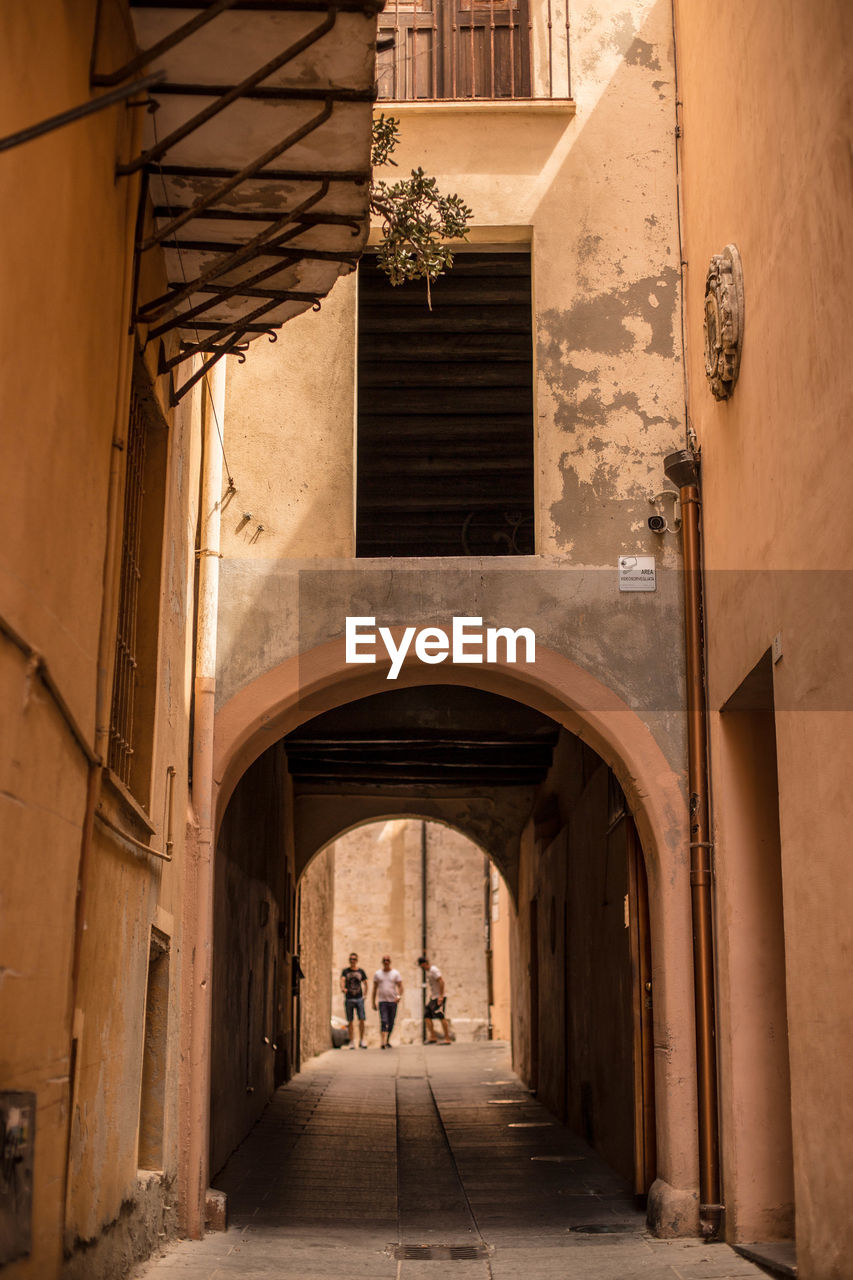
(723, 321)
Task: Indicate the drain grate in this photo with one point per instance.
(558, 1159)
(603, 1228)
(439, 1252)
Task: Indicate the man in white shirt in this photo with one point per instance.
(437, 1003)
(387, 988)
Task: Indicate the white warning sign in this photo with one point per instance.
(636, 573)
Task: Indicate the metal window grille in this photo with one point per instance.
(456, 49)
(121, 742)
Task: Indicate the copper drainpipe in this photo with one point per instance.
(201, 874)
(682, 469)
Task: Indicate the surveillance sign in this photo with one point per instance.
(636, 573)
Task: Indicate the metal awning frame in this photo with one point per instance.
(164, 315)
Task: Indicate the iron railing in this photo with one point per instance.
(452, 50)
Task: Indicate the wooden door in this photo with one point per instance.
(487, 52)
(645, 1155)
(454, 49)
(534, 994)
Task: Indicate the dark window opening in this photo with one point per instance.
(454, 49)
(154, 1050)
(445, 411)
(137, 626)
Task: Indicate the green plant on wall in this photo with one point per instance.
(416, 219)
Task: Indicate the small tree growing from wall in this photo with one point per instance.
(416, 218)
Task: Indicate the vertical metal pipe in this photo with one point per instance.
(202, 798)
(568, 52)
(434, 50)
(454, 48)
(397, 52)
(511, 54)
(683, 470)
(170, 809)
(423, 923)
(487, 939)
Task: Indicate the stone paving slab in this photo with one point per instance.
(363, 1151)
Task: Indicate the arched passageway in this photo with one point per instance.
(587, 775)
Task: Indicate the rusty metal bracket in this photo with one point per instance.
(177, 309)
(80, 112)
(166, 365)
(228, 96)
(221, 293)
(245, 253)
(268, 93)
(250, 171)
(264, 215)
(269, 249)
(168, 42)
(357, 176)
(234, 344)
(368, 7)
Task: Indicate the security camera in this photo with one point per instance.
(658, 523)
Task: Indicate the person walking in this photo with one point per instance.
(354, 987)
(437, 1004)
(387, 987)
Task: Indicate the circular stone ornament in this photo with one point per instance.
(723, 321)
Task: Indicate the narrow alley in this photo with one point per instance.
(425, 601)
(382, 1165)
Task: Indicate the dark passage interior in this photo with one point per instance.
(551, 816)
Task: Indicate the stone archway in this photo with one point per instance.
(319, 680)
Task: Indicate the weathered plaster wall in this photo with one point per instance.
(270, 611)
(581, 1060)
(127, 893)
(595, 196)
(378, 891)
(290, 445)
(65, 369)
(51, 569)
(592, 191)
(766, 126)
(317, 907)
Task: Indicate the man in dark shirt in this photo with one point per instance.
(354, 987)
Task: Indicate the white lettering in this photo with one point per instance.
(461, 636)
(394, 653)
(511, 638)
(353, 640)
(432, 645)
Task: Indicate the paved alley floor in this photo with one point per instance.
(427, 1164)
